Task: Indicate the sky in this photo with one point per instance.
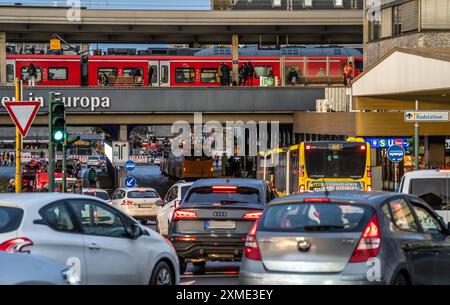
(123, 4)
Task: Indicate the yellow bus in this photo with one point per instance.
(319, 165)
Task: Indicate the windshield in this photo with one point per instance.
(314, 217)
(94, 158)
(332, 160)
(210, 195)
(142, 194)
(100, 195)
(432, 190)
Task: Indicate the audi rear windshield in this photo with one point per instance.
(223, 195)
(335, 160)
(317, 217)
(10, 219)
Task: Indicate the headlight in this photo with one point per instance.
(71, 277)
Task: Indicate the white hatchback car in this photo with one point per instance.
(141, 203)
(172, 200)
(101, 243)
(433, 186)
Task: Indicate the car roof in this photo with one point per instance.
(255, 183)
(426, 173)
(137, 188)
(30, 199)
(370, 198)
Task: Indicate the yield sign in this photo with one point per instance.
(23, 114)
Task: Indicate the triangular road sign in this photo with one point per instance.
(22, 114)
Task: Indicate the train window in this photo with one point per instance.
(108, 71)
(25, 76)
(209, 75)
(164, 74)
(359, 65)
(263, 71)
(133, 72)
(58, 73)
(10, 73)
(185, 75)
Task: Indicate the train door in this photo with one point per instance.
(10, 71)
(159, 72)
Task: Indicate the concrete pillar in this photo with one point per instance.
(2, 58)
(123, 133)
(235, 53)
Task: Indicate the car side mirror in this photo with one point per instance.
(159, 203)
(135, 231)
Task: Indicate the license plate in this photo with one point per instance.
(219, 224)
(145, 206)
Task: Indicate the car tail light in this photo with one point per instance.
(363, 147)
(326, 199)
(16, 245)
(369, 188)
(183, 215)
(301, 188)
(369, 244)
(127, 202)
(251, 248)
(176, 204)
(308, 147)
(224, 189)
(253, 215)
(212, 169)
(185, 238)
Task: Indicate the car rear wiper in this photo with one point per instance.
(322, 227)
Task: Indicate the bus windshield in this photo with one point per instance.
(335, 160)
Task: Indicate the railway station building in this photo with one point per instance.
(406, 59)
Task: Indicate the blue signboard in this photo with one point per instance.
(388, 142)
(396, 153)
(130, 165)
(129, 182)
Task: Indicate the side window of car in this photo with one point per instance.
(168, 197)
(430, 224)
(120, 194)
(58, 217)
(402, 216)
(98, 219)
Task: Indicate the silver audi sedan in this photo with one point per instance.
(101, 244)
(347, 238)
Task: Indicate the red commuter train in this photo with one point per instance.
(314, 66)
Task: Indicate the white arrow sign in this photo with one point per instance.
(426, 116)
(22, 114)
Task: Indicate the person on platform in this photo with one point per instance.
(348, 73)
(243, 73)
(250, 73)
(150, 75)
(293, 77)
(93, 178)
(32, 75)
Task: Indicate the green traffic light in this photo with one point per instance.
(58, 136)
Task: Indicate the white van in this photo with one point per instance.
(433, 186)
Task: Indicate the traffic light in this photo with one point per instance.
(57, 119)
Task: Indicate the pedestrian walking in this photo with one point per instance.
(93, 178)
(12, 160)
(7, 158)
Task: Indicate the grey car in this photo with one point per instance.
(347, 238)
(25, 269)
(214, 218)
